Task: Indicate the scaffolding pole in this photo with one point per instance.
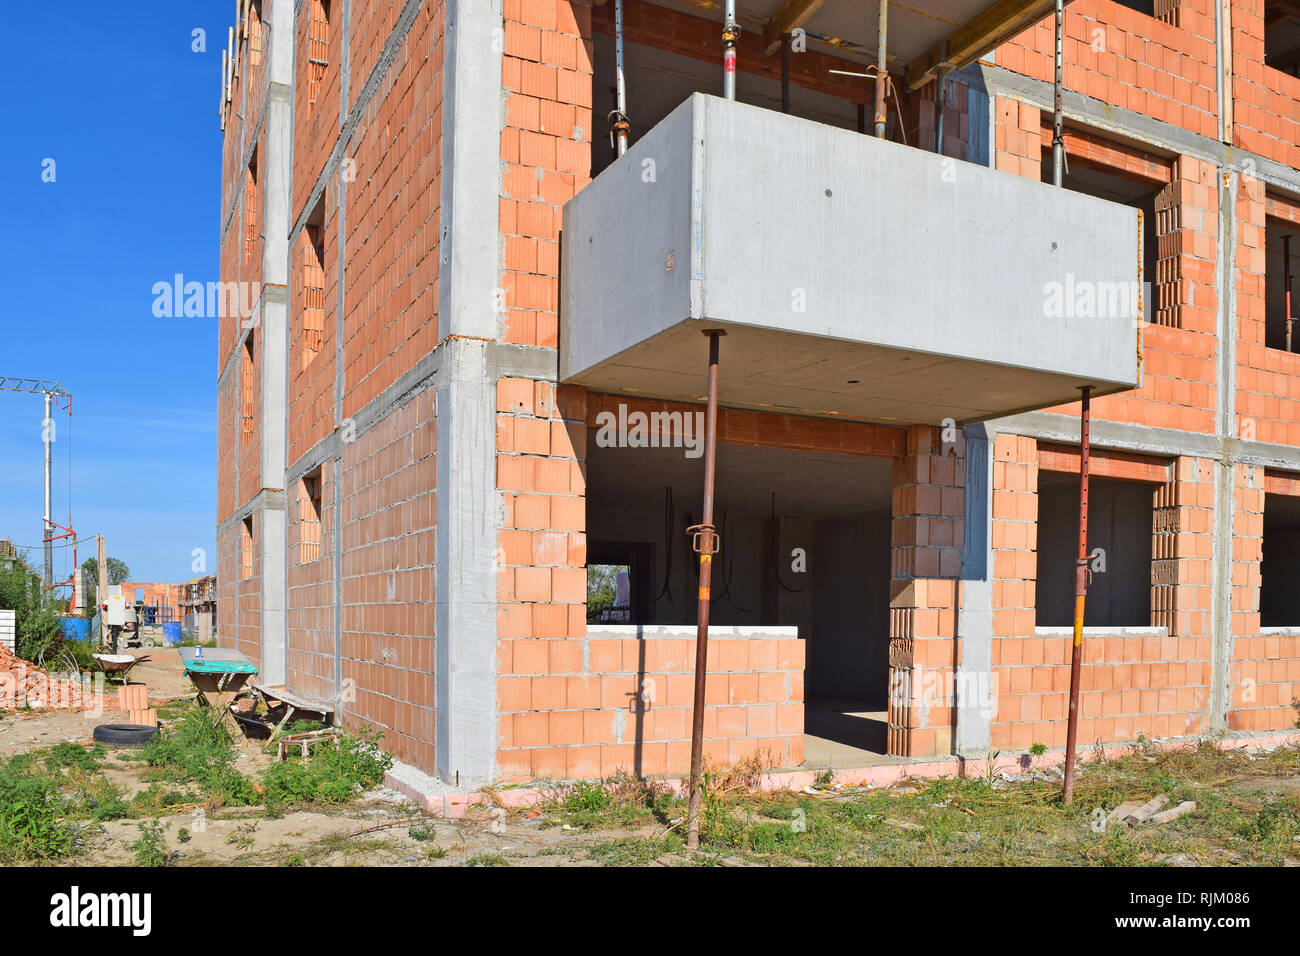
(882, 67)
(730, 36)
(704, 537)
(1058, 118)
(1080, 596)
(620, 125)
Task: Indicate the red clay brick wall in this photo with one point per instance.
(389, 513)
(1182, 551)
(1268, 380)
(1266, 102)
(625, 703)
(247, 626)
(1130, 60)
(928, 527)
(1144, 680)
(392, 247)
(1265, 670)
(1015, 584)
(542, 548)
(1017, 143)
(311, 383)
(315, 125)
(227, 585)
(1178, 369)
(227, 439)
(231, 261)
(310, 586)
(250, 445)
(253, 59)
(546, 148)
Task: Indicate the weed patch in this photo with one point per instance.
(335, 773)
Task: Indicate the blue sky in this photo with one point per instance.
(118, 99)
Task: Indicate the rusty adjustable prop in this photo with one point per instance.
(704, 539)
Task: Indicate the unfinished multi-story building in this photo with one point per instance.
(460, 441)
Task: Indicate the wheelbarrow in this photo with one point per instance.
(118, 665)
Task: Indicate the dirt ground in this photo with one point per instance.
(1247, 812)
(380, 828)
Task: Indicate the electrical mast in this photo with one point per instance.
(54, 394)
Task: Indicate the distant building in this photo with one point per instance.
(198, 607)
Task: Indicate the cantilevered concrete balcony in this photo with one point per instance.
(855, 277)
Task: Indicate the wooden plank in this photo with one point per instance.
(792, 15)
(997, 24)
(698, 38)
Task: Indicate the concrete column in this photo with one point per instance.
(976, 695)
(469, 513)
(465, 588)
(273, 338)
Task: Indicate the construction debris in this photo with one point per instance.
(23, 684)
(1144, 812)
(1184, 808)
(1132, 812)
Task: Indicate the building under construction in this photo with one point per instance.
(489, 239)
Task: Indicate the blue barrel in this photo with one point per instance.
(76, 628)
(172, 633)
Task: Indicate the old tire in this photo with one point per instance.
(125, 735)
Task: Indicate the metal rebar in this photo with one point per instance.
(706, 543)
(1058, 119)
(882, 67)
(1080, 596)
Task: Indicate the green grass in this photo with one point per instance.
(151, 847)
(33, 824)
(198, 749)
(1248, 812)
(66, 756)
(623, 800)
(335, 773)
(632, 851)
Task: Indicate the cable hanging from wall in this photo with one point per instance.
(775, 556)
(667, 589)
(727, 568)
